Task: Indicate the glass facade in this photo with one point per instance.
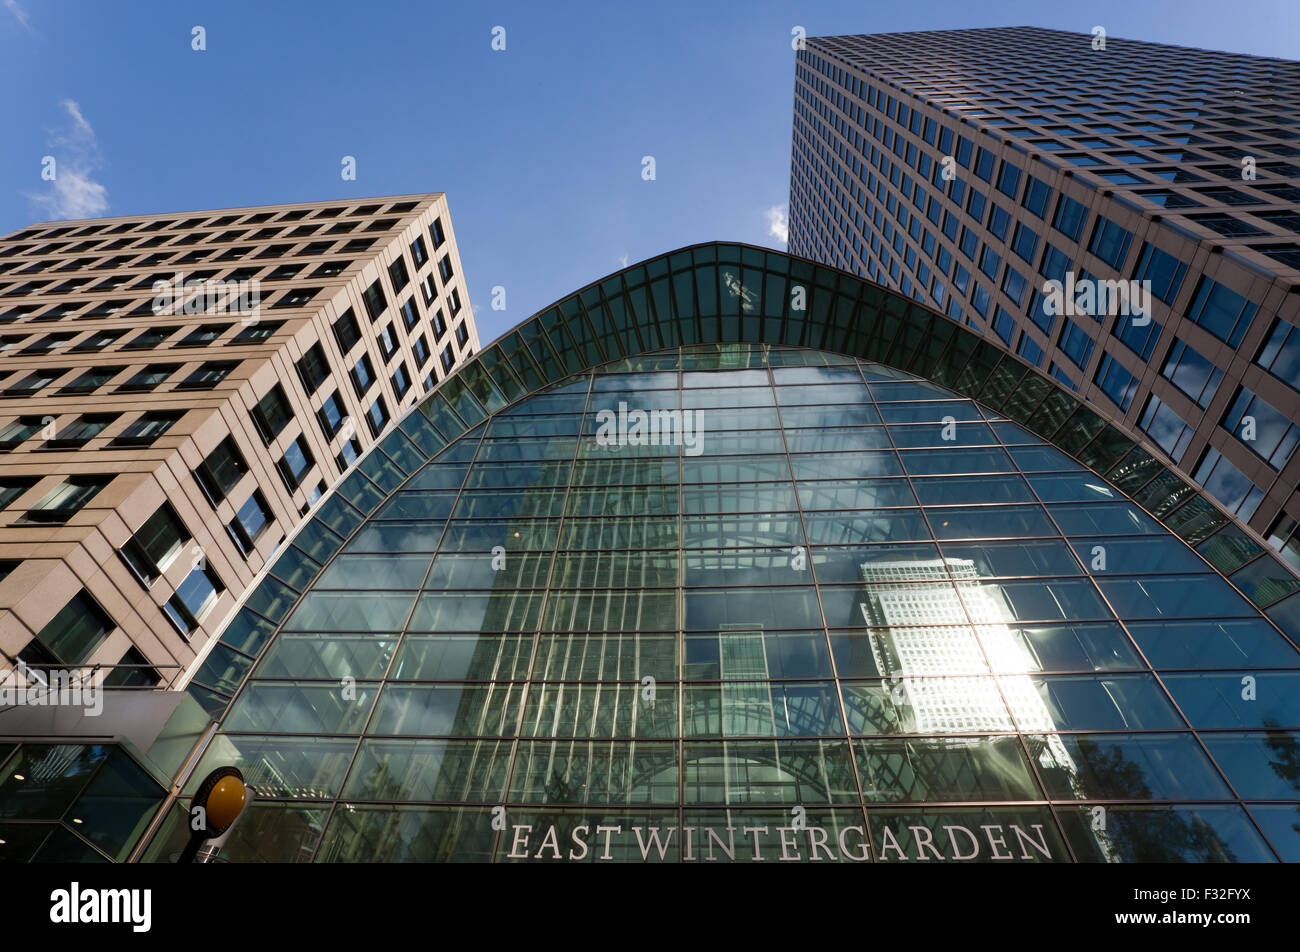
(757, 581)
(805, 607)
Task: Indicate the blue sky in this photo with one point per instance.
(539, 147)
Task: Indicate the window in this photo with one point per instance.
(1008, 180)
(387, 341)
(418, 252)
(410, 314)
(11, 489)
(462, 334)
(47, 343)
(377, 416)
(148, 378)
(436, 233)
(1003, 324)
(313, 368)
(15, 432)
(439, 326)
(1069, 218)
(984, 160)
(154, 546)
(193, 599)
(1280, 354)
(221, 470)
(34, 383)
(375, 301)
(363, 375)
(1164, 271)
(999, 222)
(1116, 382)
(1221, 311)
(202, 335)
(1037, 195)
(420, 347)
(398, 274)
(346, 330)
(1028, 349)
(1024, 243)
(1110, 242)
(66, 499)
(132, 671)
(1262, 429)
(990, 263)
(97, 341)
(1169, 431)
(144, 430)
(255, 333)
(296, 297)
(331, 415)
(348, 454)
(1192, 373)
(447, 360)
(295, 463)
(208, 374)
(1228, 484)
(252, 519)
(401, 380)
(151, 338)
(91, 380)
(1139, 338)
(331, 269)
(272, 413)
(80, 627)
(80, 431)
(444, 269)
(1076, 344)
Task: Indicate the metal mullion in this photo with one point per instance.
(401, 638)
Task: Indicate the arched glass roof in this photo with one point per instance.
(717, 293)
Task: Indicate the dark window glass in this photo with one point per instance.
(272, 413)
(146, 428)
(331, 414)
(208, 374)
(91, 380)
(153, 547)
(376, 303)
(398, 274)
(1221, 311)
(347, 331)
(314, 368)
(363, 375)
(66, 499)
(295, 463)
(221, 470)
(377, 416)
(252, 519)
(77, 630)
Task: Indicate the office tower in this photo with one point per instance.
(177, 391)
(969, 168)
(734, 556)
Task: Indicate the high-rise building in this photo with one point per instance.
(177, 391)
(1157, 185)
(733, 556)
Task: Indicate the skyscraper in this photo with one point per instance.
(970, 168)
(177, 391)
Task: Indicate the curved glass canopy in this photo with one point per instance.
(730, 601)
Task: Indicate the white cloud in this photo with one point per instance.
(74, 193)
(622, 260)
(19, 14)
(778, 223)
